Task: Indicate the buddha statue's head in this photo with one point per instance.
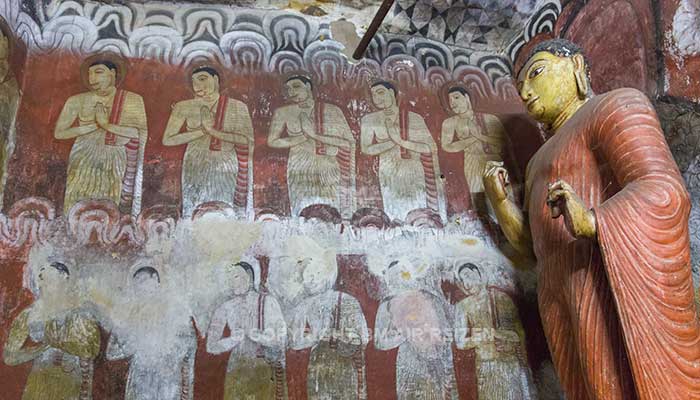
(205, 81)
(553, 81)
(459, 100)
(383, 94)
(102, 75)
(298, 88)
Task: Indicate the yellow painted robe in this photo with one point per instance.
(96, 169)
(63, 369)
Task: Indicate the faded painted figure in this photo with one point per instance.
(487, 320)
(110, 131)
(480, 136)
(606, 216)
(159, 344)
(9, 102)
(416, 322)
(321, 163)
(257, 339)
(409, 172)
(332, 324)
(61, 347)
(218, 131)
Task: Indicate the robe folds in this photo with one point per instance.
(618, 311)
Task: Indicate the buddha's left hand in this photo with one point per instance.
(563, 200)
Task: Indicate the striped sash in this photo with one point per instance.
(344, 158)
(126, 198)
(426, 160)
(215, 143)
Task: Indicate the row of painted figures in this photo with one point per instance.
(109, 129)
(257, 330)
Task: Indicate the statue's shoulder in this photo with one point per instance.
(622, 98)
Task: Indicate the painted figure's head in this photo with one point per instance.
(146, 280)
(469, 276)
(102, 74)
(459, 100)
(205, 81)
(398, 272)
(53, 275)
(240, 278)
(383, 94)
(298, 88)
(554, 77)
(316, 275)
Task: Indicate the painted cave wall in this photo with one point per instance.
(370, 249)
(139, 281)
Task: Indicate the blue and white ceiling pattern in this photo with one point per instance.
(485, 25)
(185, 33)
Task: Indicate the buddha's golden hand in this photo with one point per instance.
(563, 200)
(496, 181)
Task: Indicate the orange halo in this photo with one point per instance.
(119, 61)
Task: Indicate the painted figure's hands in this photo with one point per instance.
(496, 181)
(392, 130)
(52, 333)
(101, 116)
(307, 125)
(207, 119)
(563, 200)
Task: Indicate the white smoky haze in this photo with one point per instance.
(427, 259)
(147, 324)
(191, 265)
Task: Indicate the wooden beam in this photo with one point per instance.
(372, 30)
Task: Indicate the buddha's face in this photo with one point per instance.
(204, 84)
(100, 77)
(383, 97)
(547, 84)
(239, 280)
(459, 103)
(297, 90)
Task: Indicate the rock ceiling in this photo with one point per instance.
(477, 25)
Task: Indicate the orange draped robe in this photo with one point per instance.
(618, 312)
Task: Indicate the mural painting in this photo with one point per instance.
(214, 203)
(106, 159)
(219, 137)
(10, 96)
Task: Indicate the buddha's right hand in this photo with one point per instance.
(495, 181)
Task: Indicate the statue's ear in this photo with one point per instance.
(582, 83)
